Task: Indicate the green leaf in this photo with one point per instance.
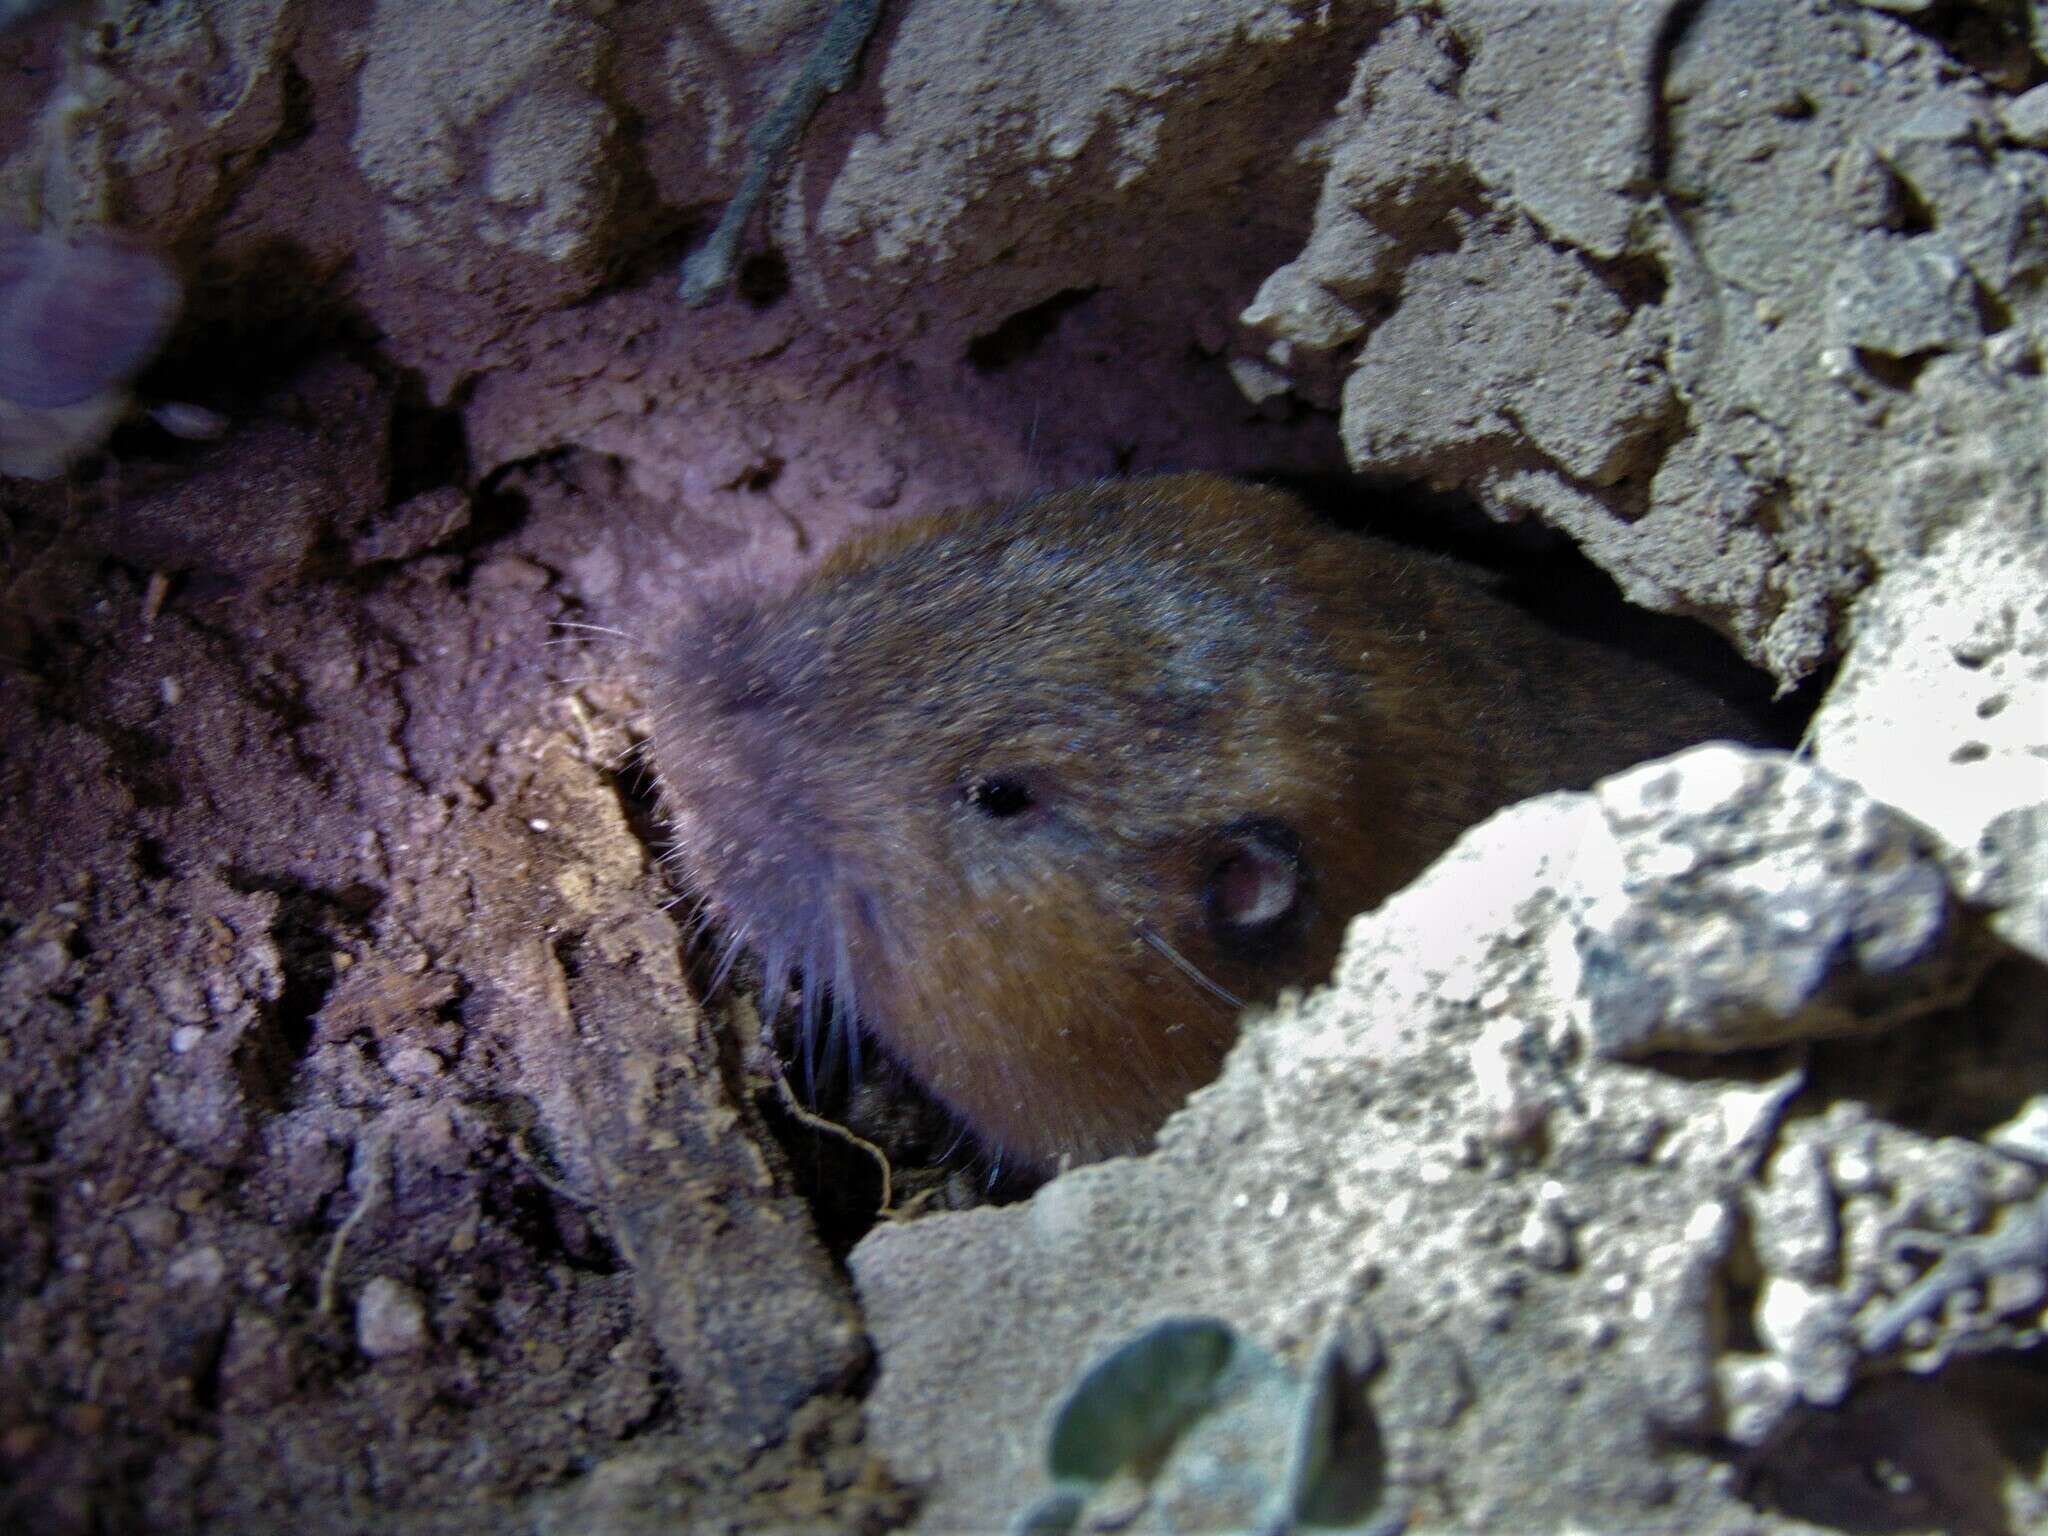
(1129, 1407)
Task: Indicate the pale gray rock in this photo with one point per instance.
(2026, 117)
(1750, 242)
(1755, 899)
(459, 97)
(1901, 297)
(1941, 707)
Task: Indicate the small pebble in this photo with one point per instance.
(390, 1319)
(200, 1269)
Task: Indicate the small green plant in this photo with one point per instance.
(1190, 1426)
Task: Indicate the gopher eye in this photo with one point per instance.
(1256, 883)
(999, 796)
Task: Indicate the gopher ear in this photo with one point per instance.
(1255, 885)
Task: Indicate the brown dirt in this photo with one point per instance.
(364, 1148)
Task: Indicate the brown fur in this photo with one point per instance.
(1156, 661)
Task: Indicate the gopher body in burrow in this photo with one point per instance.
(1039, 793)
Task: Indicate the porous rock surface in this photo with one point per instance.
(355, 1110)
(1770, 287)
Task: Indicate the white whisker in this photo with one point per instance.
(1187, 967)
(596, 629)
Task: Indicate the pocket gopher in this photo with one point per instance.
(1039, 793)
